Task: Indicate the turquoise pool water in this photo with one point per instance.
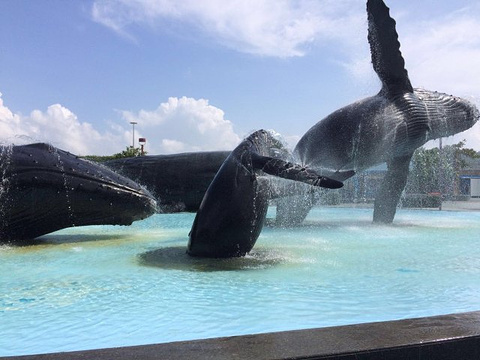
(106, 286)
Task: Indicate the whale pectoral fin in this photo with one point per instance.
(387, 59)
(290, 171)
(388, 195)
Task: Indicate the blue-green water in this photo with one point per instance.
(106, 286)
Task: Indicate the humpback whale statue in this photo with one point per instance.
(178, 181)
(233, 210)
(387, 127)
(44, 189)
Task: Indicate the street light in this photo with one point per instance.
(133, 135)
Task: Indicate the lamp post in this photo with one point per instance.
(133, 135)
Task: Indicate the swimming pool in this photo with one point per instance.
(106, 286)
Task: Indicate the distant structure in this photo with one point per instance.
(142, 141)
(469, 184)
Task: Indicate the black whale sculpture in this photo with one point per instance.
(44, 189)
(387, 127)
(178, 181)
(233, 210)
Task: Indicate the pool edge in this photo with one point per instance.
(454, 336)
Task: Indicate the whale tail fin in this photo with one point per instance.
(290, 171)
(387, 58)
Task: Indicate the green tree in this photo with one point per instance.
(438, 170)
(128, 152)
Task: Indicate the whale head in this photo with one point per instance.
(46, 189)
(447, 114)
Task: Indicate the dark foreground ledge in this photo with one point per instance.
(455, 337)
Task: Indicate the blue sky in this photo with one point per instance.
(200, 75)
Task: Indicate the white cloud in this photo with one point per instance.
(9, 122)
(58, 126)
(444, 54)
(184, 124)
(280, 28)
(177, 125)
(440, 54)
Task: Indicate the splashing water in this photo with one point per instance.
(5, 159)
(66, 186)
